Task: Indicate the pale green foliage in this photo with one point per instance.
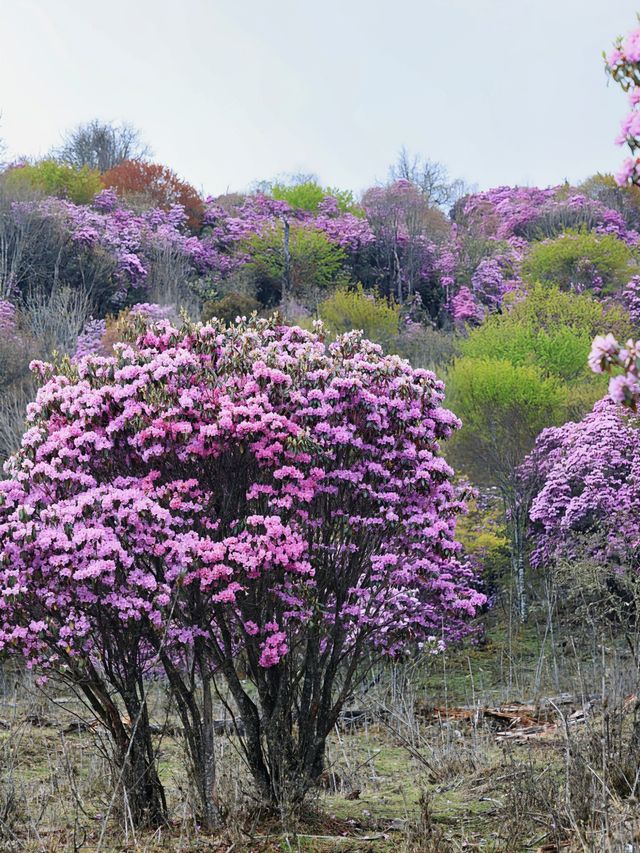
(551, 330)
(352, 308)
(316, 263)
(503, 407)
(308, 195)
(48, 177)
(481, 532)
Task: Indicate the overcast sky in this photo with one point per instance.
(232, 91)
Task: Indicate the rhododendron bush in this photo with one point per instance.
(242, 501)
(585, 516)
(588, 500)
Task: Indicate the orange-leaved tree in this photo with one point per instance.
(156, 184)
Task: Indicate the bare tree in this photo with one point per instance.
(3, 150)
(286, 179)
(101, 145)
(431, 178)
(56, 318)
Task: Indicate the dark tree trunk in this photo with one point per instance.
(286, 273)
(134, 755)
(517, 515)
(285, 741)
(207, 759)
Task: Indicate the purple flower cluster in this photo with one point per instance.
(589, 498)
(90, 339)
(529, 213)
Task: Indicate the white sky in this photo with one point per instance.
(232, 91)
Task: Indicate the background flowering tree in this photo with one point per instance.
(245, 501)
(588, 499)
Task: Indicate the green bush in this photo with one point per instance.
(549, 328)
(308, 195)
(503, 407)
(49, 177)
(578, 259)
(351, 308)
(552, 331)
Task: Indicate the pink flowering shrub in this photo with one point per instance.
(247, 498)
(585, 518)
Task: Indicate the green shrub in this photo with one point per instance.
(549, 328)
(316, 264)
(503, 407)
(552, 331)
(229, 307)
(49, 177)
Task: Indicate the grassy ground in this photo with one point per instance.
(404, 781)
(55, 794)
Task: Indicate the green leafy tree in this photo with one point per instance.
(48, 177)
(581, 260)
(313, 264)
(503, 408)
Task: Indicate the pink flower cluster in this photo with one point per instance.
(465, 309)
(607, 354)
(623, 65)
(7, 316)
(518, 214)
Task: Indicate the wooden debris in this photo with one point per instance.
(519, 722)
